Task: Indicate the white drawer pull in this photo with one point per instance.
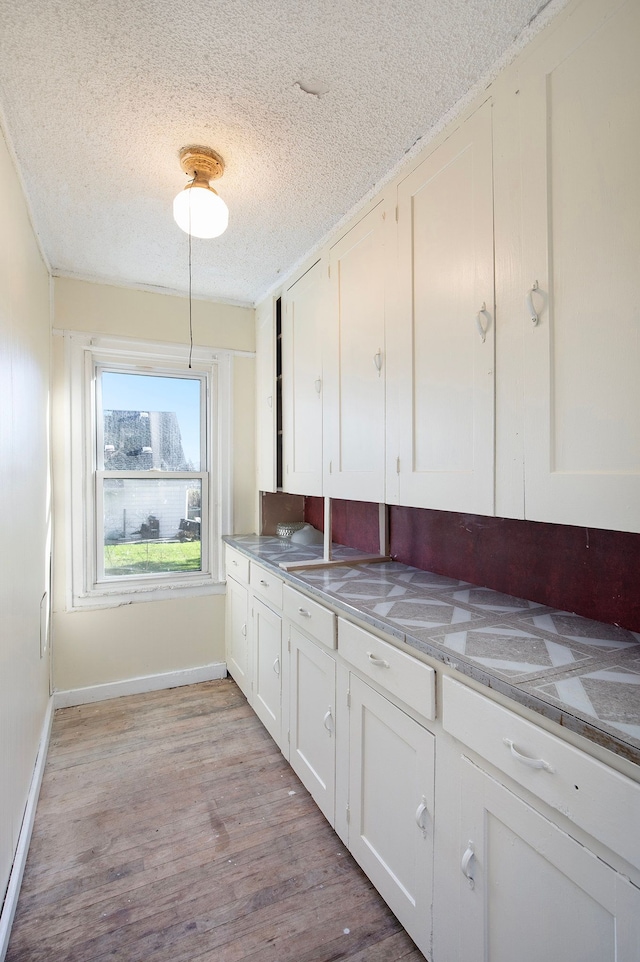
(420, 816)
(265, 583)
(276, 666)
(465, 864)
(525, 760)
(234, 562)
(303, 611)
(375, 660)
(327, 721)
(243, 630)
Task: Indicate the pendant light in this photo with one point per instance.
(198, 210)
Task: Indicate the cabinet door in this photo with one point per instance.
(239, 661)
(391, 806)
(267, 654)
(354, 402)
(530, 892)
(312, 742)
(302, 383)
(266, 400)
(579, 92)
(441, 355)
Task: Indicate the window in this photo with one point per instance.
(149, 485)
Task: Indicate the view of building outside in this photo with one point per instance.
(150, 524)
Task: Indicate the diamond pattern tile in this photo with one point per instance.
(422, 613)
(425, 580)
(610, 694)
(488, 600)
(510, 651)
(592, 633)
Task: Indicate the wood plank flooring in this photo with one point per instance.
(171, 829)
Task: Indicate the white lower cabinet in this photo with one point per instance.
(238, 642)
(391, 806)
(312, 737)
(545, 842)
(267, 654)
(534, 854)
(528, 891)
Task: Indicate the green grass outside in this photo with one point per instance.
(150, 557)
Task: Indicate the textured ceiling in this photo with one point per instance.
(98, 96)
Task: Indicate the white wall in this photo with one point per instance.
(24, 509)
(100, 646)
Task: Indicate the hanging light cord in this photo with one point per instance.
(190, 306)
(190, 310)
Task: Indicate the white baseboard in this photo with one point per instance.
(20, 859)
(137, 686)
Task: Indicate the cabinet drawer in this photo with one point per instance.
(313, 618)
(237, 565)
(408, 679)
(600, 800)
(266, 584)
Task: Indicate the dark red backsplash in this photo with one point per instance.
(590, 571)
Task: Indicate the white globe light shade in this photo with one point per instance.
(199, 211)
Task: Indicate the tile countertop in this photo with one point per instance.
(584, 675)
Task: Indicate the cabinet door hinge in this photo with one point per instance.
(348, 698)
(330, 467)
(348, 814)
(289, 643)
(289, 737)
(329, 270)
(396, 213)
(398, 465)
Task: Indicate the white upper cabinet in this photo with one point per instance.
(354, 380)
(266, 395)
(302, 326)
(579, 93)
(441, 331)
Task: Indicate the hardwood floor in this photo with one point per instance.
(170, 827)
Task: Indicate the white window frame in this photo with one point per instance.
(86, 357)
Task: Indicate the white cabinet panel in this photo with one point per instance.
(266, 584)
(354, 383)
(579, 93)
(267, 651)
(266, 396)
(530, 892)
(236, 565)
(313, 618)
(402, 675)
(302, 326)
(441, 354)
(391, 806)
(238, 641)
(312, 737)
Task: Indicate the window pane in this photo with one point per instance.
(151, 526)
(150, 422)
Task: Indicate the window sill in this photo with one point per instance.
(116, 597)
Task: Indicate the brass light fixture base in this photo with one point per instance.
(202, 163)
